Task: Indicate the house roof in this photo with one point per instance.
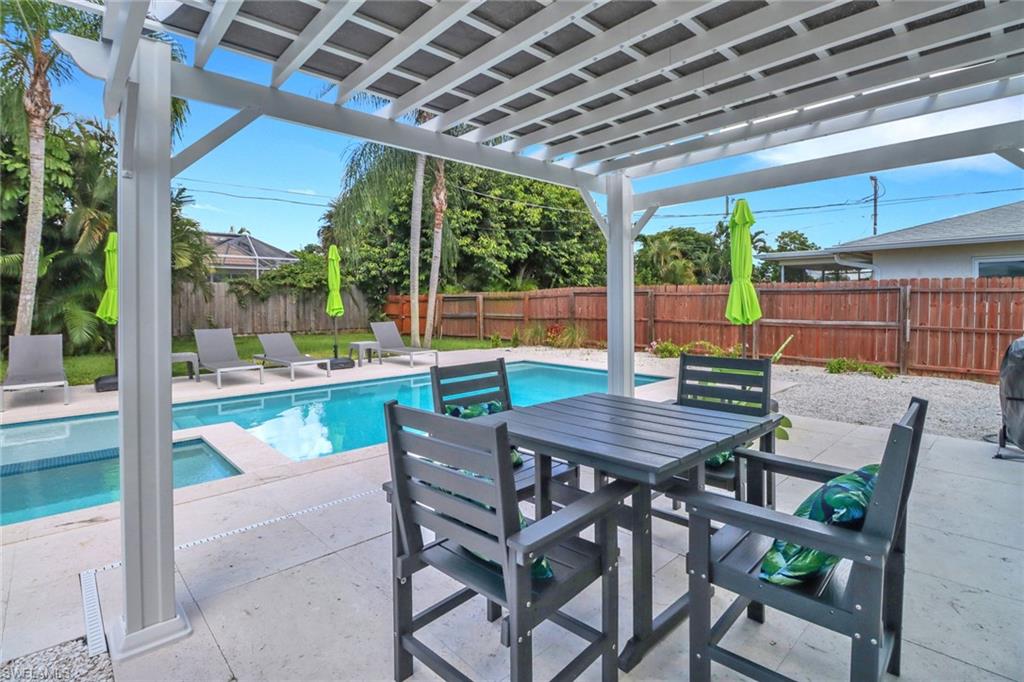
(235, 249)
(1000, 224)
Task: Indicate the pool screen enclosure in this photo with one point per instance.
(592, 95)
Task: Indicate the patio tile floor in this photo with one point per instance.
(309, 597)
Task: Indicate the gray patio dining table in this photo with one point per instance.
(636, 440)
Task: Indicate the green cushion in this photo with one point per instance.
(478, 410)
(718, 459)
(843, 501)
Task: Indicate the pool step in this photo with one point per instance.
(187, 422)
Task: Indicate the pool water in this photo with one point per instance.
(301, 424)
(31, 490)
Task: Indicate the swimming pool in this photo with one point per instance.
(300, 424)
(35, 488)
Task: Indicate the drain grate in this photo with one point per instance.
(94, 637)
(94, 633)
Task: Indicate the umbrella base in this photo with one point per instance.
(342, 363)
(106, 383)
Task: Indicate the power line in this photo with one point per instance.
(789, 211)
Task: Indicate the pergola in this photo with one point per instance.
(588, 95)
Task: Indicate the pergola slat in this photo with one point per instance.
(320, 28)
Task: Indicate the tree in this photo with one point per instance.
(439, 199)
(662, 260)
(80, 193)
(29, 61)
(786, 241)
(499, 232)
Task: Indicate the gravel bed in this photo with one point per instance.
(67, 661)
(956, 407)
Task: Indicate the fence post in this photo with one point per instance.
(572, 306)
(439, 316)
(480, 316)
(903, 335)
(650, 316)
(525, 302)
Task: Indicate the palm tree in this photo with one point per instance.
(30, 59)
(440, 201)
(94, 188)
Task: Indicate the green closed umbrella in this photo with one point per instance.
(108, 304)
(742, 306)
(335, 307)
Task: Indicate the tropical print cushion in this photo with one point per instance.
(718, 459)
(843, 501)
(478, 410)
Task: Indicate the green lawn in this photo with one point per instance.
(83, 369)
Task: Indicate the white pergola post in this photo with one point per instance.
(150, 615)
(620, 284)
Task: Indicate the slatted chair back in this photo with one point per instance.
(739, 385)
(470, 384)
(454, 478)
(896, 473)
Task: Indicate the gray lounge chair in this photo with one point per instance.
(35, 362)
(390, 341)
(280, 349)
(218, 354)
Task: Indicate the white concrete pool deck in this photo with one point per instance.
(308, 596)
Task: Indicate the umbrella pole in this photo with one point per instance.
(335, 337)
(115, 350)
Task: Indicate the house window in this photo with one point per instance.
(999, 266)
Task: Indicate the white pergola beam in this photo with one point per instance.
(586, 52)
(196, 84)
(216, 25)
(620, 285)
(126, 30)
(321, 27)
(927, 96)
(550, 19)
(150, 615)
(595, 212)
(1014, 156)
(762, 20)
(861, 24)
(213, 139)
(967, 143)
(434, 22)
(641, 223)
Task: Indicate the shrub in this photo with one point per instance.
(496, 340)
(848, 365)
(664, 349)
(515, 340)
(552, 333)
(533, 335)
(571, 336)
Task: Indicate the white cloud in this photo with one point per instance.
(310, 192)
(965, 118)
(207, 207)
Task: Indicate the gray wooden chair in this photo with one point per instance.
(735, 385)
(454, 477)
(480, 382)
(861, 597)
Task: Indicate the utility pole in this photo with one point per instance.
(874, 201)
(727, 206)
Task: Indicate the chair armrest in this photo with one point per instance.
(790, 466)
(570, 520)
(857, 546)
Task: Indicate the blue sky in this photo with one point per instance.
(303, 165)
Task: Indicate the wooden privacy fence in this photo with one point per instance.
(285, 312)
(958, 326)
